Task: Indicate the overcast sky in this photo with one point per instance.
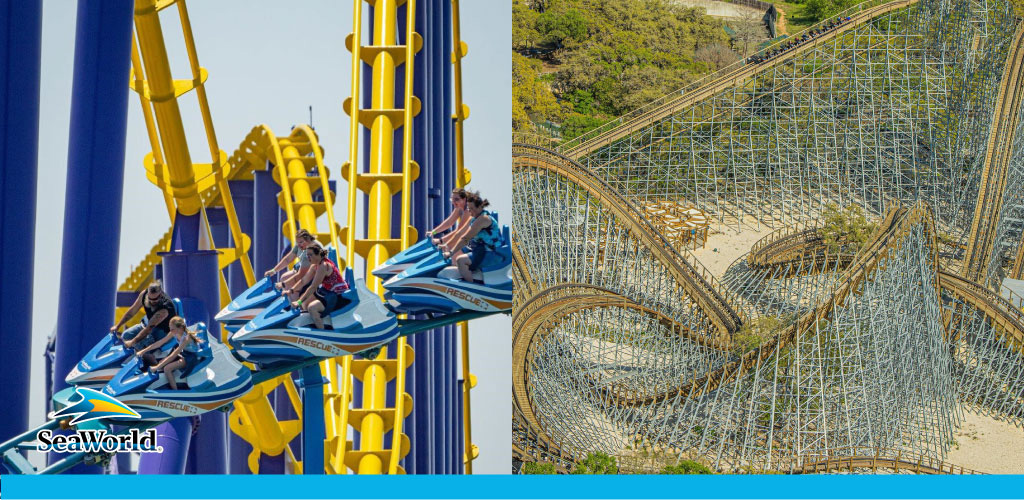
(268, 62)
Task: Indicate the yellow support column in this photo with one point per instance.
(380, 183)
(159, 89)
(378, 222)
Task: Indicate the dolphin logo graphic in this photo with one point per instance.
(93, 405)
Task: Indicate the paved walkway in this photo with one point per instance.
(724, 10)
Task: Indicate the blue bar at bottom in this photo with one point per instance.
(498, 486)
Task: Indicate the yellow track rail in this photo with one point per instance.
(188, 187)
(294, 158)
(373, 419)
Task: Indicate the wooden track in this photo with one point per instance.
(784, 247)
(530, 321)
(997, 162)
(710, 298)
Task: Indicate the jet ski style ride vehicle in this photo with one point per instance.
(283, 334)
(104, 360)
(433, 285)
(248, 305)
(253, 301)
(215, 379)
(405, 259)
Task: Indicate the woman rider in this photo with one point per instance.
(159, 310)
(482, 235)
(324, 293)
(458, 218)
(302, 239)
(183, 357)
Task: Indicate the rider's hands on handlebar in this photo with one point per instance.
(268, 273)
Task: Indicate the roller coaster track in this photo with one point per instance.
(884, 460)
(15, 462)
(698, 285)
(997, 162)
(725, 78)
(546, 306)
(559, 300)
(895, 226)
(781, 248)
(523, 271)
(537, 315)
(297, 166)
(383, 377)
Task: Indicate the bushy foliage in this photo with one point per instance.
(817, 10)
(845, 230)
(757, 331)
(687, 467)
(597, 463)
(539, 468)
(611, 56)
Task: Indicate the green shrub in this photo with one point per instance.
(757, 331)
(597, 463)
(845, 230)
(539, 468)
(687, 467)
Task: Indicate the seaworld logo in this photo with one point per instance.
(92, 405)
(98, 441)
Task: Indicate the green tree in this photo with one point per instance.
(757, 331)
(817, 10)
(577, 124)
(560, 28)
(524, 26)
(611, 57)
(532, 99)
(539, 468)
(845, 230)
(597, 463)
(686, 467)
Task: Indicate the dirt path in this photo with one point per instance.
(780, 24)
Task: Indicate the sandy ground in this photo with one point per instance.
(988, 445)
(723, 248)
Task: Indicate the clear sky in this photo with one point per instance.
(268, 62)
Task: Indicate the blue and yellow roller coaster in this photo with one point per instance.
(268, 388)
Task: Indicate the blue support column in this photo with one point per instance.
(314, 429)
(266, 240)
(242, 192)
(453, 394)
(192, 275)
(174, 436)
(21, 28)
(92, 210)
(243, 195)
(437, 118)
(265, 232)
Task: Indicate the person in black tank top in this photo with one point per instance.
(159, 311)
